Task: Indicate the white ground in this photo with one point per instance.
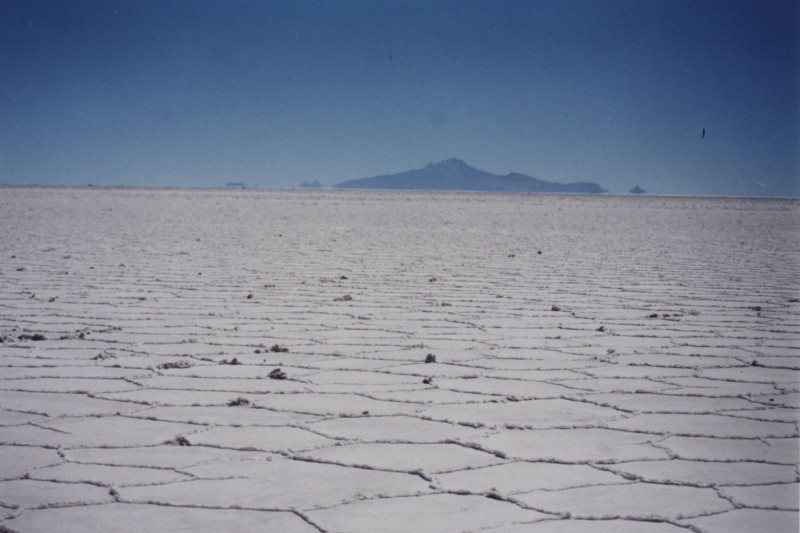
(640, 374)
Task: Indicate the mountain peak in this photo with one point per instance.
(452, 162)
(449, 165)
(455, 174)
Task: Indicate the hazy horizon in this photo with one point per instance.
(678, 97)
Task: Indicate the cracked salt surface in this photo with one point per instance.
(437, 372)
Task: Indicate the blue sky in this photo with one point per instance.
(272, 93)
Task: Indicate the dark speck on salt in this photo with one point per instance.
(277, 374)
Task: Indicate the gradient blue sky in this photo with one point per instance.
(271, 93)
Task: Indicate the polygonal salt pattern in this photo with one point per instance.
(746, 519)
(130, 518)
(281, 484)
(424, 458)
(432, 513)
(343, 361)
(640, 501)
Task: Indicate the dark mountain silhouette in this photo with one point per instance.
(637, 190)
(456, 175)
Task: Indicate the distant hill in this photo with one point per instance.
(637, 190)
(456, 175)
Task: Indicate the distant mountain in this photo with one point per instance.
(637, 190)
(456, 175)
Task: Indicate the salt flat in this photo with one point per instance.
(348, 361)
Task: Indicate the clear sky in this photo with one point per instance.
(272, 93)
